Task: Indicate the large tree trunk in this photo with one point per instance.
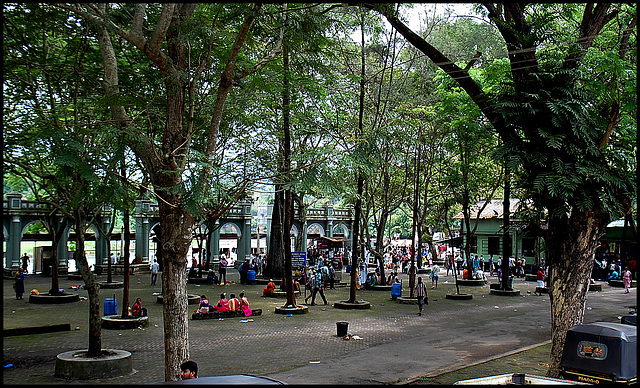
(571, 245)
(506, 236)
(275, 259)
(175, 239)
(91, 285)
(356, 241)
(126, 275)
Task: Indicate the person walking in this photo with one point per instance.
(435, 275)
(317, 287)
(540, 280)
(25, 262)
(626, 279)
(491, 265)
(155, 267)
(421, 293)
(18, 285)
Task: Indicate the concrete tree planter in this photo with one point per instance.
(281, 294)
(111, 285)
(407, 300)
(116, 322)
(299, 309)
(358, 305)
(379, 288)
(76, 364)
(505, 292)
(53, 299)
(595, 287)
(459, 296)
(472, 282)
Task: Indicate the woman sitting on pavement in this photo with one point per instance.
(137, 310)
(223, 304)
(203, 307)
(268, 291)
(234, 303)
(244, 305)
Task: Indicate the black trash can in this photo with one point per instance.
(343, 328)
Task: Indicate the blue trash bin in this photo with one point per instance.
(347, 268)
(396, 290)
(110, 306)
(251, 276)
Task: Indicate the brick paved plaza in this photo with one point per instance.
(397, 345)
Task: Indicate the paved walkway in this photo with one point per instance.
(396, 344)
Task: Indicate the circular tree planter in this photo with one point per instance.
(53, 299)
(378, 288)
(116, 322)
(299, 309)
(459, 296)
(281, 294)
(193, 299)
(343, 304)
(111, 285)
(471, 282)
(76, 364)
(407, 300)
(505, 292)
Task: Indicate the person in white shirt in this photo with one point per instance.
(155, 267)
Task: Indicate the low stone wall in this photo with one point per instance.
(226, 314)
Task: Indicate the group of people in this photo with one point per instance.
(225, 304)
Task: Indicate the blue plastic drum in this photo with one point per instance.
(110, 306)
(396, 290)
(251, 276)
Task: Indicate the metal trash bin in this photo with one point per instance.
(343, 328)
(600, 353)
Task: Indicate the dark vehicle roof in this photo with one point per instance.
(626, 333)
(617, 359)
(228, 380)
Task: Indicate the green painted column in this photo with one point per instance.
(13, 245)
(215, 245)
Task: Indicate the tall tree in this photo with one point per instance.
(181, 48)
(553, 129)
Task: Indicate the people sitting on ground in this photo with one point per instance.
(137, 310)
(268, 290)
(613, 275)
(479, 275)
(234, 303)
(203, 307)
(212, 278)
(223, 304)
(244, 305)
(372, 280)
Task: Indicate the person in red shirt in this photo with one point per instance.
(137, 310)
